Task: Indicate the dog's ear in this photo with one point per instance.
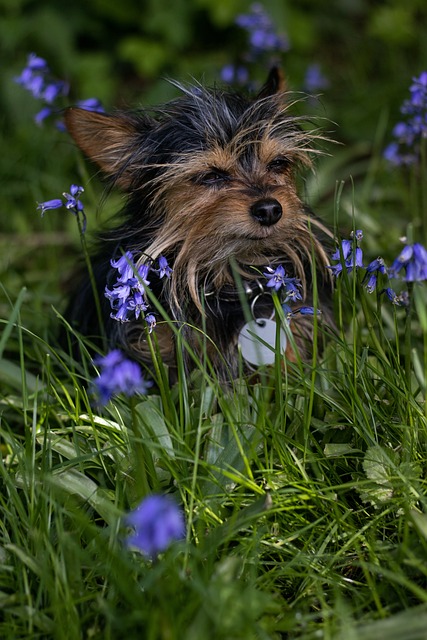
(108, 140)
(275, 83)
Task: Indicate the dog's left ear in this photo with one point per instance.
(274, 84)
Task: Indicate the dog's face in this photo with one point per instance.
(210, 177)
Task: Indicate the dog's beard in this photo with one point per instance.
(207, 262)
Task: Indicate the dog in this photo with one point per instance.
(212, 215)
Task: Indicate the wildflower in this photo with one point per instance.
(151, 321)
(234, 74)
(352, 256)
(118, 375)
(72, 203)
(91, 104)
(277, 279)
(314, 79)
(373, 269)
(262, 33)
(37, 78)
(406, 147)
(72, 198)
(401, 300)
(50, 204)
(42, 115)
(308, 311)
(127, 297)
(164, 269)
(303, 311)
(158, 521)
(413, 258)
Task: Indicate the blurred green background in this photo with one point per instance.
(122, 52)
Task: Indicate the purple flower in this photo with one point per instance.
(151, 321)
(72, 198)
(38, 80)
(413, 258)
(234, 74)
(401, 300)
(158, 521)
(118, 375)
(352, 255)
(408, 134)
(276, 277)
(50, 204)
(314, 79)
(91, 104)
(164, 269)
(373, 269)
(42, 115)
(124, 266)
(72, 203)
(127, 297)
(277, 280)
(262, 32)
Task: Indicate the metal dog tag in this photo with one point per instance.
(257, 341)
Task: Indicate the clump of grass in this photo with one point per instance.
(303, 492)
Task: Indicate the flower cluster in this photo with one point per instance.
(277, 280)
(262, 33)
(409, 266)
(157, 522)
(128, 296)
(351, 253)
(70, 201)
(263, 40)
(408, 134)
(37, 78)
(118, 375)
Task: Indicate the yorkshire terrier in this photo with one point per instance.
(210, 179)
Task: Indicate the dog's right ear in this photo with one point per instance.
(108, 140)
(274, 84)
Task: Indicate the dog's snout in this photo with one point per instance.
(267, 211)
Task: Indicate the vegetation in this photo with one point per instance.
(304, 492)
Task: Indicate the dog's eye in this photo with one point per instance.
(278, 165)
(213, 178)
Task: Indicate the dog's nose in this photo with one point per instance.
(267, 211)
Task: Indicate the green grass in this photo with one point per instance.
(304, 493)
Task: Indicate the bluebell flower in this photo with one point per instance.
(401, 300)
(91, 104)
(42, 115)
(308, 311)
(277, 280)
(127, 297)
(234, 74)
(303, 311)
(157, 522)
(56, 203)
(72, 203)
(164, 269)
(151, 321)
(373, 269)
(36, 78)
(352, 255)
(412, 258)
(276, 277)
(314, 79)
(405, 149)
(118, 375)
(263, 36)
(72, 198)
